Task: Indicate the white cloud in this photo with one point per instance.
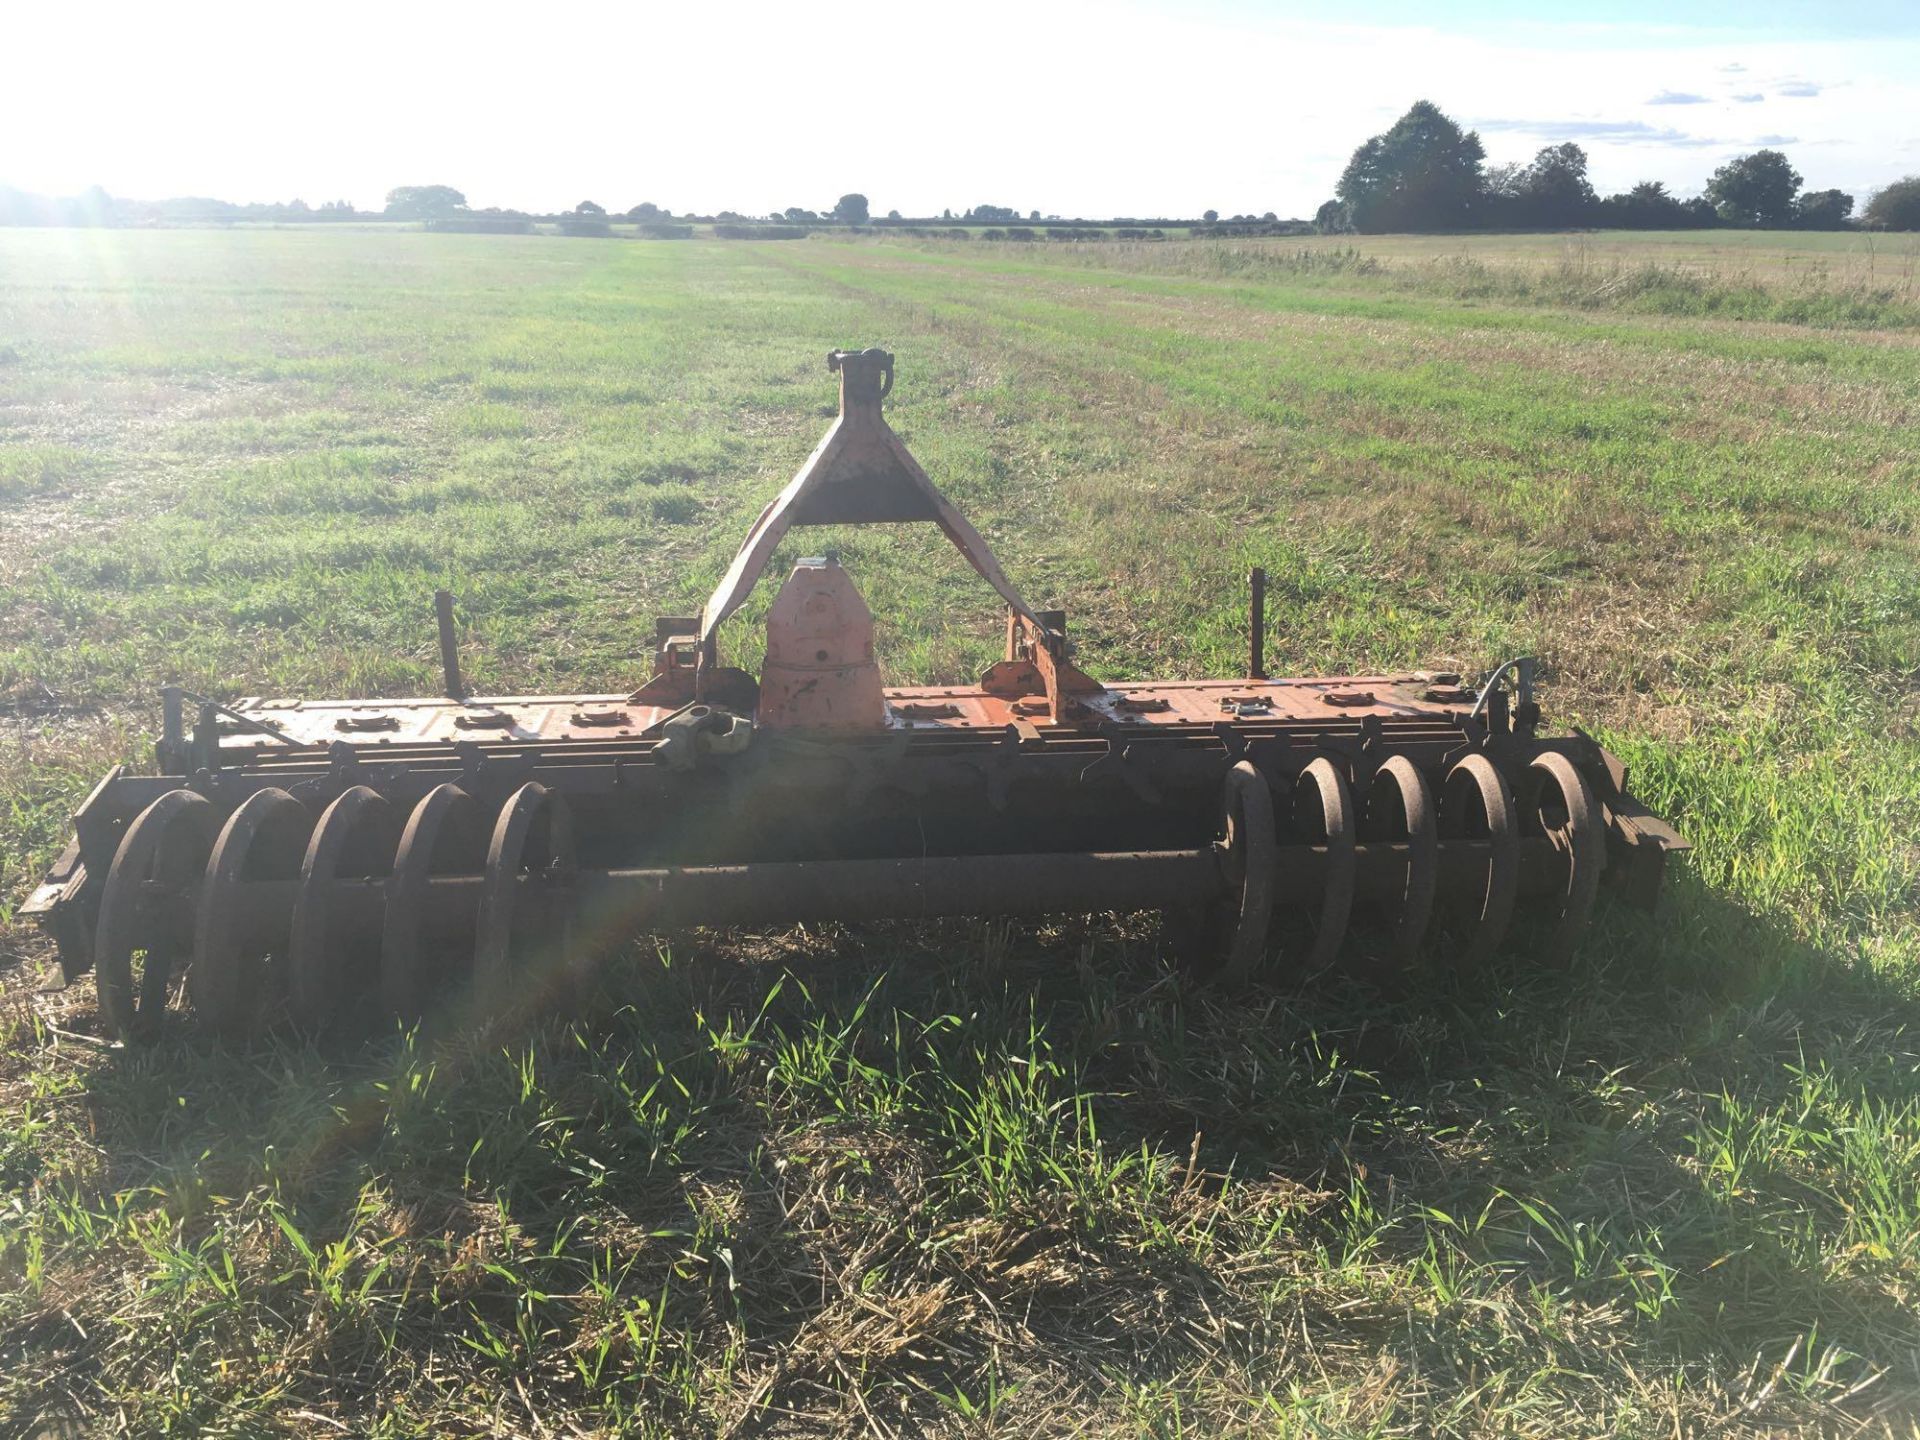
(1626, 132)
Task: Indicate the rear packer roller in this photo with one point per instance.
(296, 861)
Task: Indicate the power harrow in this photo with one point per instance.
(295, 860)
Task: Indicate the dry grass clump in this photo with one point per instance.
(1826, 289)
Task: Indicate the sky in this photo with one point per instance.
(1071, 108)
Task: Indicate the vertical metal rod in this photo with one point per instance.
(206, 737)
(449, 646)
(1257, 625)
(173, 731)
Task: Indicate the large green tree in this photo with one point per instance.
(1648, 206)
(1897, 207)
(1551, 190)
(1756, 189)
(1823, 209)
(423, 202)
(1423, 174)
(851, 209)
(1556, 187)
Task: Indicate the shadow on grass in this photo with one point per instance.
(910, 1177)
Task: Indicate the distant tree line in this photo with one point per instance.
(446, 208)
(95, 207)
(1423, 173)
(1426, 173)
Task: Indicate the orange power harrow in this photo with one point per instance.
(299, 860)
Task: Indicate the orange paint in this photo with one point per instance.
(820, 671)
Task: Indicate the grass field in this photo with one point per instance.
(1845, 280)
(990, 1180)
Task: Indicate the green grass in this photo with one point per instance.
(35, 469)
(988, 1179)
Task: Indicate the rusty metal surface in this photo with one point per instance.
(1161, 703)
(1140, 705)
(910, 888)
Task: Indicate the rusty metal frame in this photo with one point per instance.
(859, 474)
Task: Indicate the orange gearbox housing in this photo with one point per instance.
(820, 671)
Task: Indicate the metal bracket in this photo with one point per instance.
(860, 474)
(1522, 665)
(245, 722)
